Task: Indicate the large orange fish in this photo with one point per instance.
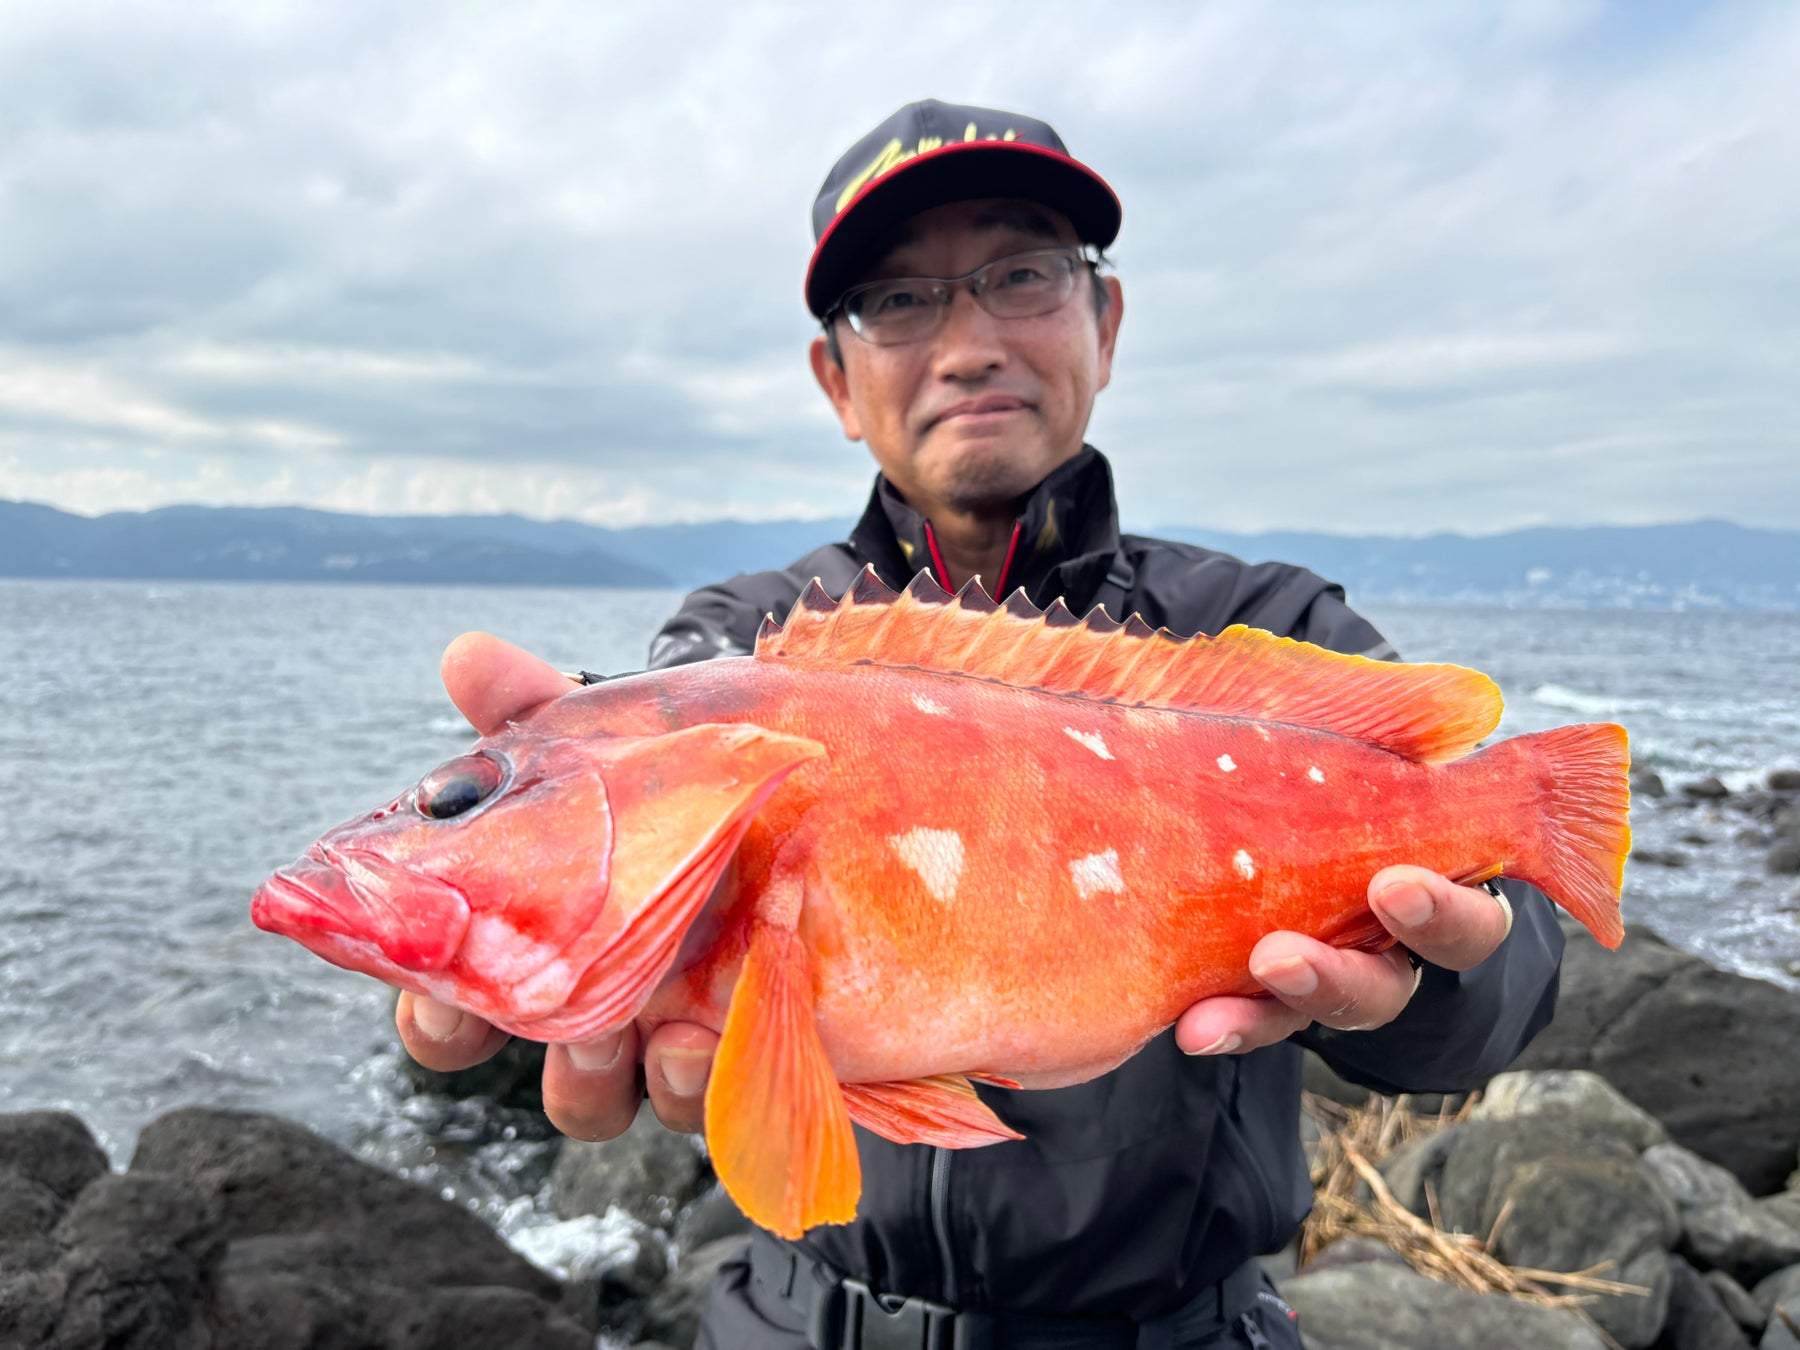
(920, 839)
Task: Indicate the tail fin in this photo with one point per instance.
(1578, 857)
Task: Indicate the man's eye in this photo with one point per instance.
(894, 302)
(1024, 274)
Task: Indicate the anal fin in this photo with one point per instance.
(777, 1125)
(943, 1110)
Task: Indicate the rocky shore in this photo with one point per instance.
(1651, 1136)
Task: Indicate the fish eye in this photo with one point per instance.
(459, 787)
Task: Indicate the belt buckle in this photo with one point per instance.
(875, 1321)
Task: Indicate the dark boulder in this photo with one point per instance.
(50, 1147)
(1702, 1050)
(1707, 789)
(1697, 1319)
(1377, 1305)
(673, 1313)
(1784, 780)
(274, 1178)
(1648, 783)
(651, 1172)
(1722, 1227)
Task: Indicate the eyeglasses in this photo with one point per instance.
(907, 309)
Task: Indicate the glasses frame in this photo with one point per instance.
(1078, 254)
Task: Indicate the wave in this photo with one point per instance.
(1591, 705)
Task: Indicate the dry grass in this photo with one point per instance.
(1356, 1139)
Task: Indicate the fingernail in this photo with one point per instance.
(1295, 978)
(436, 1021)
(1408, 903)
(685, 1071)
(1227, 1043)
(596, 1056)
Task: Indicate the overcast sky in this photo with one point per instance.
(1388, 267)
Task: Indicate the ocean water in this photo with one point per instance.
(163, 747)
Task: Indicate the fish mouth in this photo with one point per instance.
(417, 921)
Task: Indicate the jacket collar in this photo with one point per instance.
(1067, 535)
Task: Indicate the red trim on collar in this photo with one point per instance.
(1012, 547)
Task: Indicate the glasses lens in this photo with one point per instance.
(1025, 284)
(893, 311)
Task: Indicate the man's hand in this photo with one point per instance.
(1448, 925)
(591, 1091)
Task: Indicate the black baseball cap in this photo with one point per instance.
(930, 153)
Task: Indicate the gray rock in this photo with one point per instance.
(1697, 1319)
(1573, 1195)
(1351, 1251)
(28, 1210)
(1783, 1205)
(273, 1178)
(1648, 783)
(1738, 1301)
(53, 1148)
(1784, 857)
(711, 1217)
(1784, 780)
(138, 1254)
(1779, 1289)
(650, 1172)
(1782, 1333)
(1575, 1095)
(1380, 1306)
(1722, 1227)
(1576, 1212)
(1707, 789)
(673, 1313)
(1659, 857)
(1681, 1040)
(491, 1318)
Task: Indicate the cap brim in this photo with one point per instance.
(954, 173)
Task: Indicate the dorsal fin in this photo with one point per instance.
(1424, 712)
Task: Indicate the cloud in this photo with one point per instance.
(1386, 266)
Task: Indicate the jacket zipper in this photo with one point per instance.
(940, 1221)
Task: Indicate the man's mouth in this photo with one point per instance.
(975, 409)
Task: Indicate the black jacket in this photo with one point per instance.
(1130, 1193)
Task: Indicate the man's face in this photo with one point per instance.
(974, 416)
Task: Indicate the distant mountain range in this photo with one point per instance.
(1697, 565)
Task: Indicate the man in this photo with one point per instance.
(966, 332)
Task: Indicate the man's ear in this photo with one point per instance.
(836, 384)
(1109, 327)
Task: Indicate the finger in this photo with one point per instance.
(1348, 990)
(442, 1037)
(592, 1090)
(493, 682)
(677, 1063)
(1452, 926)
(1229, 1025)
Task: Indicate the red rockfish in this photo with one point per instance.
(920, 839)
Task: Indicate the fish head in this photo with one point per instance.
(503, 879)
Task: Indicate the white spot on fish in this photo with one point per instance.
(929, 705)
(936, 855)
(1091, 739)
(1314, 774)
(1097, 872)
(1262, 731)
(1225, 764)
(1245, 865)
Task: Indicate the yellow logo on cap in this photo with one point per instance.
(895, 153)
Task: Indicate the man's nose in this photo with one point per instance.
(970, 344)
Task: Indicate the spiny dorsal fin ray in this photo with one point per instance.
(1424, 712)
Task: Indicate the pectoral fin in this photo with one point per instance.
(776, 1122)
(943, 1111)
